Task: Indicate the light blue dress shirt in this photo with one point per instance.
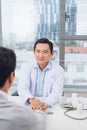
(40, 80)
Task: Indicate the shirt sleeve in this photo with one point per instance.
(24, 83)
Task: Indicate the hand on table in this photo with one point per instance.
(37, 104)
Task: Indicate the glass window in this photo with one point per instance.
(24, 21)
(80, 68)
(76, 60)
(75, 17)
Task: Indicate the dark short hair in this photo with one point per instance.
(7, 64)
(44, 41)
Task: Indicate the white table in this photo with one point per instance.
(57, 120)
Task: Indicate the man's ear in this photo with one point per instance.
(11, 77)
(52, 53)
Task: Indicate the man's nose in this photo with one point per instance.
(41, 54)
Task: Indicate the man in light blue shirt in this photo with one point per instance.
(41, 82)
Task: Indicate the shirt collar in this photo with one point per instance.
(46, 68)
(3, 94)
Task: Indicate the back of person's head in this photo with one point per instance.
(7, 64)
(44, 41)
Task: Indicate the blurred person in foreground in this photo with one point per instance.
(12, 115)
(41, 82)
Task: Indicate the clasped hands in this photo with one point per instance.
(37, 104)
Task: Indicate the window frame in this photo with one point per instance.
(62, 39)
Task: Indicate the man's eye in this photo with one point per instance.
(45, 52)
(38, 51)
